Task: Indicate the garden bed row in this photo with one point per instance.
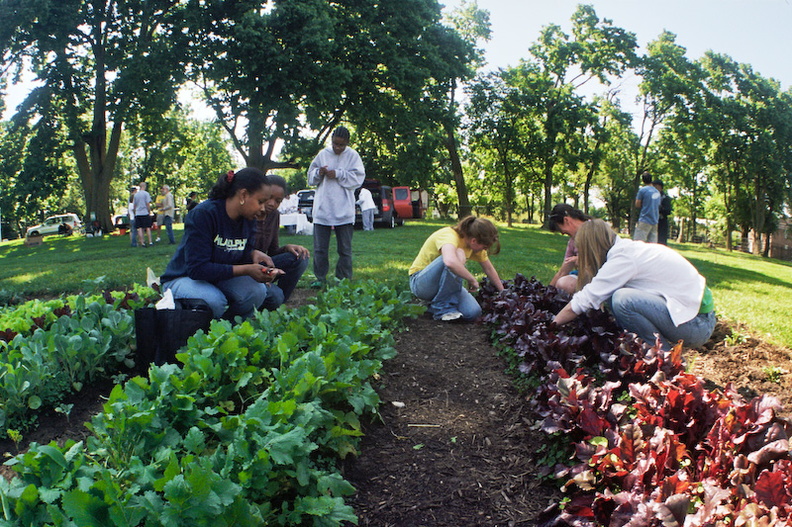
(248, 430)
(631, 437)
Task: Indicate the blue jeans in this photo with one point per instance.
(646, 314)
(237, 296)
(321, 246)
(444, 290)
(645, 232)
(132, 231)
(294, 268)
(168, 222)
(368, 219)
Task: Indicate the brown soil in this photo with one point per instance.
(455, 445)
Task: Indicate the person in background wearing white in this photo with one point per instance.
(142, 205)
(651, 289)
(336, 172)
(367, 208)
(166, 209)
(289, 204)
(131, 216)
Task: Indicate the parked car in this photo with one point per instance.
(8, 231)
(59, 224)
(305, 203)
(410, 203)
(386, 214)
(121, 221)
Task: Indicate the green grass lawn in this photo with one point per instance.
(747, 289)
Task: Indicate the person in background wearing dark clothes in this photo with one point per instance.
(664, 213)
(216, 260)
(192, 201)
(289, 258)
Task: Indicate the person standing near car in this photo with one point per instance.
(367, 208)
(142, 205)
(336, 172)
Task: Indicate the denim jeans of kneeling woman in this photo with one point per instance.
(444, 290)
(646, 314)
(237, 296)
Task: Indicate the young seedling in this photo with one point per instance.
(64, 409)
(774, 374)
(15, 436)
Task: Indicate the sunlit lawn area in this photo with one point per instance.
(748, 289)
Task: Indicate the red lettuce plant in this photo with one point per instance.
(652, 446)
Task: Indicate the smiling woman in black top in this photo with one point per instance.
(216, 260)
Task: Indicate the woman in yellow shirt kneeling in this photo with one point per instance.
(438, 272)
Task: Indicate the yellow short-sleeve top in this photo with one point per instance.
(431, 249)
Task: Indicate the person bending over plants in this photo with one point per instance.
(438, 272)
(216, 260)
(651, 289)
(566, 220)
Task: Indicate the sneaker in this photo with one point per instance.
(157, 240)
(451, 315)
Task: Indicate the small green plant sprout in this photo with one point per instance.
(419, 446)
(96, 284)
(774, 373)
(734, 339)
(119, 378)
(15, 436)
(64, 409)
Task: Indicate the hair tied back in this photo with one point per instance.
(230, 176)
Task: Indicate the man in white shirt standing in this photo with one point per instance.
(336, 171)
(367, 208)
(142, 205)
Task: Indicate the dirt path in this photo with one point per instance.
(460, 451)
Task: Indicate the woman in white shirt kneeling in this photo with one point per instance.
(651, 289)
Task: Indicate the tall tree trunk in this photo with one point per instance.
(548, 192)
(456, 169)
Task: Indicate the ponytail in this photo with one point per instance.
(482, 229)
(228, 184)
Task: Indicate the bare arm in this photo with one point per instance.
(492, 274)
(456, 265)
(565, 315)
(566, 268)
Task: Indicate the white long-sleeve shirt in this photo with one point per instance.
(366, 200)
(334, 200)
(649, 267)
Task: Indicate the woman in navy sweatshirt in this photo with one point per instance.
(216, 260)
